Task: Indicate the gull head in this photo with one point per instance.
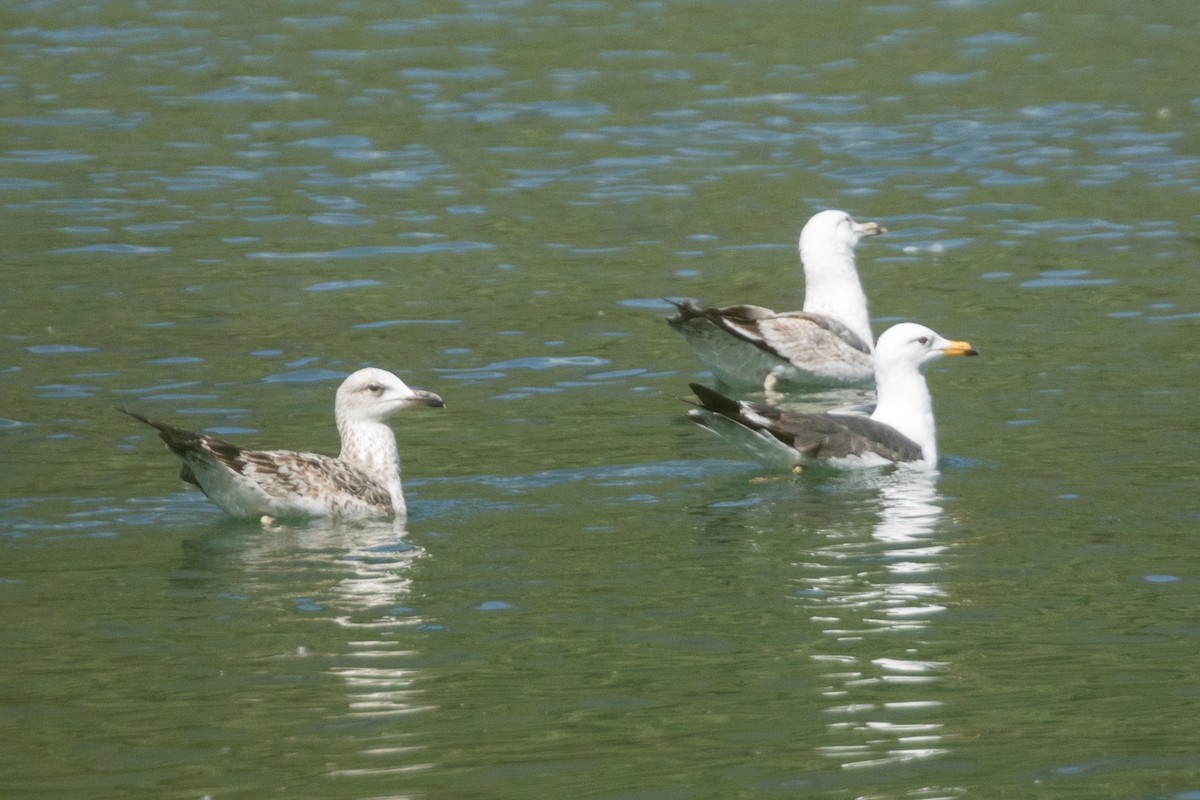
(373, 395)
(911, 345)
(838, 229)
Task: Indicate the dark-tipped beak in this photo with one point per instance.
(960, 349)
(870, 229)
(423, 398)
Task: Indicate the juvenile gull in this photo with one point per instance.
(363, 481)
(900, 430)
(828, 343)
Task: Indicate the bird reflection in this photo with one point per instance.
(372, 561)
(907, 524)
(358, 577)
(882, 702)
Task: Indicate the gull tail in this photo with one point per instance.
(178, 440)
(714, 401)
(685, 311)
(745, 425)
(187, 444)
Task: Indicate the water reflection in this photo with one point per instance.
(357, 577)
(873, 599)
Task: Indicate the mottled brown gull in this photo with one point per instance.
(900, 430)
(826, 344)
(363, 481)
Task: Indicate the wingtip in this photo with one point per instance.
(135, 415)
(685, 310)
(713, 400)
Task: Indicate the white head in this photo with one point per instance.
(835, 230)
(912, 346)
(373, 395)
(902, 398)
(831, 284)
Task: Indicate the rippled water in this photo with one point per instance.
(213, 212)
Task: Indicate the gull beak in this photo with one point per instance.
(870, 229)
(960, 349)
(423, 398)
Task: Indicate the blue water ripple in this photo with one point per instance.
(315, 375)
(1061, 278)
(112, 248)
(337, 286)
(59, 349)
(372, 251)
(391, 323)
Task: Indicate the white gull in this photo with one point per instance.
(363, 481)
(826, 344)
(900, 430)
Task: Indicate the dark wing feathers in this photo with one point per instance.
(688, 311)
(715, 401)
(827, 436)
(818, 436)
(740, 321)
(183, 442)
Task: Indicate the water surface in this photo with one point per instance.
(213, 213)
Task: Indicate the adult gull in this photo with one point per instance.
(900, 430)
(363, 481)
(826, 344)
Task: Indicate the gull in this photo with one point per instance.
(363, 481)
(899, 431)
(826, 344)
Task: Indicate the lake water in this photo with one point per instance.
(214, 211)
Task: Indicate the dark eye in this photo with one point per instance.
(923, 340)
(375, 388)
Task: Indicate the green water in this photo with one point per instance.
(212, 212)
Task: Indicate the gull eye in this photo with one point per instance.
(923, 340)
(375, 388)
